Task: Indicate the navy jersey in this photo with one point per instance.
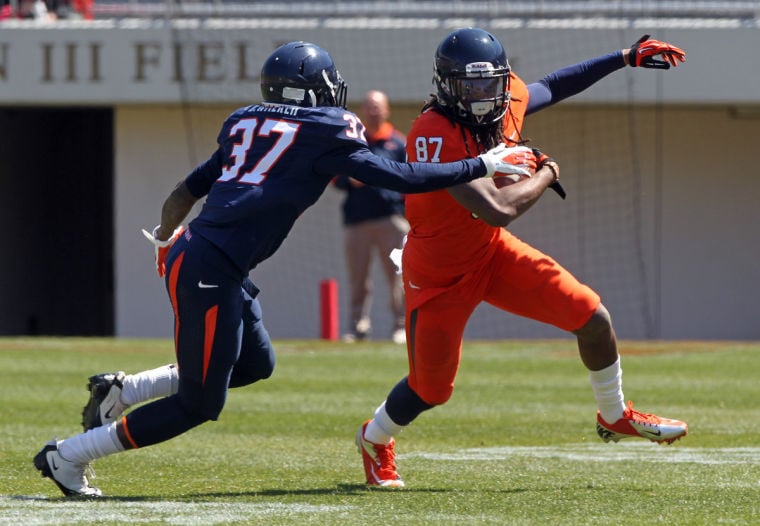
(274, 161)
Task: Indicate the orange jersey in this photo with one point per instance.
(445, 242)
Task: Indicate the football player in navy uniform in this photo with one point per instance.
(273, 161)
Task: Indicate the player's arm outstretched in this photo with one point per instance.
(571, 80)
(410, 178)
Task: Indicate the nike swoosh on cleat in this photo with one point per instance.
(108, 413)
(55, 467)
(646, 432)
(202, 285)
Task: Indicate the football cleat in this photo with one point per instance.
(67, 475)
(379, 461)
(644, 425)
(104, 405)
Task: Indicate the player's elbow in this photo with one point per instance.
(497, 216)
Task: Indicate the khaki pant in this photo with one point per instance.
(378, 236)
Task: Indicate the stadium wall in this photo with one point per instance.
(662, 216)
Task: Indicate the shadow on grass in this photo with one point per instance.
(340, 489)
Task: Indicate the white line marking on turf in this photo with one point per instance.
(38, 511)
(636, 451)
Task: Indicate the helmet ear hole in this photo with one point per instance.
(472, 77)
(302, 74)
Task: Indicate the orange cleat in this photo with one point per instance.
(644, 425)
(379, 461)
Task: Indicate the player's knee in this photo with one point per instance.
(404, 404)
(200, 404)
(265, 371)
(249, 370)
(436, 395)
(600, 324)
(246, 376)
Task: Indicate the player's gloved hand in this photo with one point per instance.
(505, 161)
(522, 157)
(544, 160)
(162, 247)
(642, 54)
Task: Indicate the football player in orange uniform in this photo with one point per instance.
(458, 255)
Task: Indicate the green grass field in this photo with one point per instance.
(515, 445)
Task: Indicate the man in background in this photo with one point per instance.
(374, 222)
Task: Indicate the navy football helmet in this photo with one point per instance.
(472, 77)
(302, 74)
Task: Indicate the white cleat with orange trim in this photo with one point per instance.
(644, 425)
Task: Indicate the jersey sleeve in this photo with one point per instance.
(408, 178)
(349, 156)
(571, 80)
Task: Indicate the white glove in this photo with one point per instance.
(162, 247)
(497, 160)
(396, 256)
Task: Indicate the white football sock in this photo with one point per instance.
(608, 391)
(91, 445)
(147, 385)
(381, 429)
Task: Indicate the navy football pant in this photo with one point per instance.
(220, 342)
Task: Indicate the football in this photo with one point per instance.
(502, 180)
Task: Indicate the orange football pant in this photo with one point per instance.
(518, 279)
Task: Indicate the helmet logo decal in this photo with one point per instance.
(479, 67)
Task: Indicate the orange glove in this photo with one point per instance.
(645, 49)
(162, 247)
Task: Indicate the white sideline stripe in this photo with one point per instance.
(39, 511)
(633, 451)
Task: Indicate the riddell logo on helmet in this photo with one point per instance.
(478, 67)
